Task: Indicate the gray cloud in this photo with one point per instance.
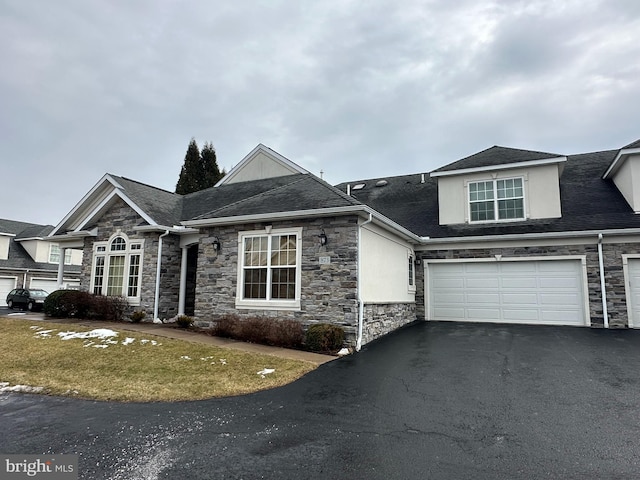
(121, 87)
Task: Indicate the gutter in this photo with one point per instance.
(158, 268)
(359, 289)
(603, 289)
(425, 241)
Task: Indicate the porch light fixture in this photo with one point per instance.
(216, 244)
(323, 238)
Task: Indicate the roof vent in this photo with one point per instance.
(381, 183)
(358, 186)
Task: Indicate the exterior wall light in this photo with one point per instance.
(323, 238)
(216, 244)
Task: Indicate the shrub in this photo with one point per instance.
(268, 331)
(74, 303)
(184, 321)
(137, 316)
(323, 337)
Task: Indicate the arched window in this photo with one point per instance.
(117, 267)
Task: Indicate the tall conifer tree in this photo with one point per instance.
(189, 180)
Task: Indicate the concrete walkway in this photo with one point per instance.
(171, 331)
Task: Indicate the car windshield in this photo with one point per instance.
(38, 293)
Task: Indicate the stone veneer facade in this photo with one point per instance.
(614, 276)
(328, 291)
(123, 218)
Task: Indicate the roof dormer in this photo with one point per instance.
(624, 171)
(500, 185)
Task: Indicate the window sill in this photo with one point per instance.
(268, 304)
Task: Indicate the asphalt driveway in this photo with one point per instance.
(433, 401)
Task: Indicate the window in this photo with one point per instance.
(269, 275)
(54, 254)
(411, 279)
(496, 200)
(117, 268)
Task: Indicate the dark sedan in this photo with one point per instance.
(26, 298)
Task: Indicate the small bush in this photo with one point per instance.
(184, 321)
(267, 331)
(137, 316)
(323, 337)
(77, 304)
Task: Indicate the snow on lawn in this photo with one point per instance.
(97, 338)
(6, 387)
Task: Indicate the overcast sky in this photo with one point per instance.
(358, 89)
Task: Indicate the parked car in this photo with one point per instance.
(29, 298)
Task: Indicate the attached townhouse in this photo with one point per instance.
(28, 260)
(504, 235)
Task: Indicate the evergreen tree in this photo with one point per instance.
(200, 169)
(211, 170)
(191, 173)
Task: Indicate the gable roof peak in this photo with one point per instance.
(261, 162)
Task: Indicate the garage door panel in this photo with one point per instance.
(480, 298)
(535, 292)
(6, 285)
(519, 299)
(481, 282)
(633, 289)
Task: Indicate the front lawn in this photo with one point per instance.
(129, 366)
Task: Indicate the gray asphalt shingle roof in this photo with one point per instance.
(496, 156)
(588, 202)
(18, 257)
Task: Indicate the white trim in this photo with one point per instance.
(411, 282)
(361, 210)
(288, 164)
(620, 158)
(500, 258)
(496, 200)
(504, 166)
(631, 321)
(96, 211)
(268, 304)
(491, 239)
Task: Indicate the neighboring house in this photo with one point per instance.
(29, 260)
(504, 235)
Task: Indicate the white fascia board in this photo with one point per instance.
(268, 151)
(31, 238)
(176, 229)
(106, 200)
(106, 178)
(504, 166)
(316, 212)
(7, 234)
(619, 160)
(426, 241)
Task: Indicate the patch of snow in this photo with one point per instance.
(101, 346)
(128, 341)
(44, 333)
(101, 333)
(185, 357)
(266, 371)
(223, 361)
(20, 388)
(157, 320)
(344, 351)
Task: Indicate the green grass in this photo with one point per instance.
(141, 372)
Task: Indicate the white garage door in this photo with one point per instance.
(6, 285)
(51, 284)
(633, 291)
(530, 292)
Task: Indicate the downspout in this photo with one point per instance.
(603, 289)
(158, 268)
(359, 288)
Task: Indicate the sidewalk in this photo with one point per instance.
(171, 331)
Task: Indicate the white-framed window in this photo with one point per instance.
(499, 199)
(411, 279)
(54, 254)
(117, 267)
(269, 269)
